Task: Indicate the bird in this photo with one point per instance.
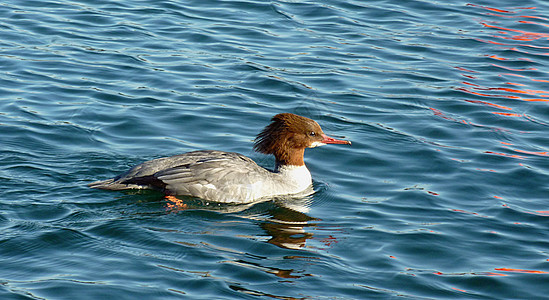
(229, 177)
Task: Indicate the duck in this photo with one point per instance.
(229, 177)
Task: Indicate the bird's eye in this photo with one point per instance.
(312, 133)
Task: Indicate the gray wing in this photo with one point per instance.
(211, 175)
(224, 177)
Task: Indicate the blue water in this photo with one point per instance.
(444, 193)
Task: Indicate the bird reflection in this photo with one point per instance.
(287, 227)
(284, 219)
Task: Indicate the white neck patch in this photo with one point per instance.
(298, 175)
(316, 144)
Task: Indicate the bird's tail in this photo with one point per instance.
(108, 184)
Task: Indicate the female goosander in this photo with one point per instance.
(230, 177)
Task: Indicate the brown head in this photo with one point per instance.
(287, 137)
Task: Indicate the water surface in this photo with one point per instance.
(443, 194)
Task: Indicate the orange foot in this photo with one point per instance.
(175, 204)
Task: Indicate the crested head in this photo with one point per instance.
(287, 137)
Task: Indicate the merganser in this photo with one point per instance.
(229, 177)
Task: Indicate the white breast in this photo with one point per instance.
(294, 179)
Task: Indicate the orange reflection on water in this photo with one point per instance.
(507, 114)
(470, 273)
(542, 213)
(492, 273)
(470, 91)
(521, 271)
(505, 154)
(544, 95)
(524, 35)
(329, 241)
(513, 83)
(538, 153)
(466, 70)
(506, 34)
(497, 57)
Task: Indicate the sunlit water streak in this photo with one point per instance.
(442, 195)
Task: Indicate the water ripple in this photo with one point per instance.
(442, 195)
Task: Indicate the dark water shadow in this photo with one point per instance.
(283, 219)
